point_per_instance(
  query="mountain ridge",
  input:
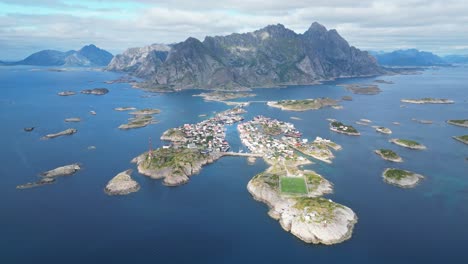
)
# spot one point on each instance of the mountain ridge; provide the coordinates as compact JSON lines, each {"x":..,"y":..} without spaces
{"x":89,"y":55}
{"x":271,"y":56}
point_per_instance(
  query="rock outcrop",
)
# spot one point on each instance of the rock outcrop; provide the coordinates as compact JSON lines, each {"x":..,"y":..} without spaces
{"x":122,"y":184}
{"x":66,"y":132}
{"x":62,"y":171}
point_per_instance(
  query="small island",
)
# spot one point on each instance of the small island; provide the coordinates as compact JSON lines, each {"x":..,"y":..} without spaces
{"x":66,"y":132}
{"x":73,"y":119}
{"x":28,"y":129}
{"x":389,"y":155}
{"x":366,"y":89}
{"x":138,"y":122}
{"x":221,"y":96}
{"x":411,"y":144}
{"x":384,"y":81}
{"x":124,"y":109}
{"x":463,"y":139}
{"x":41,"y":182}
{"x":347,"y":98}
{"x":146,"y":111}
{"x":66,"y":93}
{"x":303,"y":105}
{"x":383,"y":130}
{"x":96,"y":91}
{"x":422,"y":121}
{"x":401,"y":178}
{"x":343,"y":129}
{"x":458,"y":122}
{"x":427,"y":100}
{"x":122,"y":184}
{"x":62,"y":171}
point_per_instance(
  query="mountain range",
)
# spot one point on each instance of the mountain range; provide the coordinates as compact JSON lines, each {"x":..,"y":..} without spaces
{"x":409,"y":57}
{"x":89,"y":55}
{"x":270,"y":56}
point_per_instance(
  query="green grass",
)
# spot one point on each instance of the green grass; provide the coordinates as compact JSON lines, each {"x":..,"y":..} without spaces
{"x":389,"y":153}
{"x":461,"y":121}
{"x":397,"y":174}
{"x":464,"y":137}
{"x":350,"y":129}
{"x":293,"y":185}
{"x":408,"y":142}
{"x":321,"y":206}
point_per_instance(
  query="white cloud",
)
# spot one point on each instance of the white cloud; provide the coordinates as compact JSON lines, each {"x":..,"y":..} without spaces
{"x":434,"y":25}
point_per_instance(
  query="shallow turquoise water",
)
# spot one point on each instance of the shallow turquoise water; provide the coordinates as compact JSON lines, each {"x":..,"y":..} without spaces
{"x":213,"y":219}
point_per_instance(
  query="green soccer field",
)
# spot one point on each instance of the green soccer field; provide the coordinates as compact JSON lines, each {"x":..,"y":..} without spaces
{"x":293,"y":185}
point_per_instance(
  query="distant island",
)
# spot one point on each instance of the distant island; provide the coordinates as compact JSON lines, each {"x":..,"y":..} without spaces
{"x":401,"y":178}
{"x":344,"y":129}
{"x":459,"y":122}
{"x":368,"y":89}
{"x":409,"y":57}
{"x":87,"y":56}
{"x":463,"y":139}
{"x":273,"y":56}
{"x":303,"y":105}
{"x":383,"y":130}
{"x":427,"y":100}
{"x":389,"y":155}
{"x":141,"y":118}
{"x":411,"y":144}
{"x":221,"y":96}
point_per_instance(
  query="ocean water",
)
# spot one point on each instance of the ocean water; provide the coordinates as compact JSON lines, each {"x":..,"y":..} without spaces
{"x":213,"y":218}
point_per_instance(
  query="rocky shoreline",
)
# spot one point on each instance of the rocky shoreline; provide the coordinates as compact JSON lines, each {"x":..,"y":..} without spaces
{"x":427,"y":101}
{"x":303,"y":105}
{"x":122,"y":184}
{"x":383,"y":155}
{"x":405,"y":179}
{"x":67,"y":132}
{"x":402,"y":142}
{"x":312,"y":219}
{"x":174,"y":175}
{"x":460,"y":122}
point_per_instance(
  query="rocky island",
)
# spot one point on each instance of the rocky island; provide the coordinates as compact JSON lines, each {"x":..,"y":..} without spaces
{"x":73,"y":119}
{"x":62,"y":171}
{"x":122,"y":184}
{"x":293,"y":195}
{"x":124,"y":109}
{"x":41,"y":182}
{"x":303,"y":105}
{"x":459,"y":122}
{"x":427,"y":101}
{"x":138,"y":122}
{"x":339,"y":127}
{"x":146,"y":111}
{"x":389,"y":155}
{"x":66,"y":93}
{"x":96,"y":91}
{"x":66,"y":132}
{"x":463,"y":139}
{"x":221,"y":96}
{"x":192,"y":147}
{"x":411,"y":144}
{"x":401,"y":178}
{"x":383,"y":130}
{"x":422,"y":121}
{"x":367,"y":89}
{"x":347,"y":98}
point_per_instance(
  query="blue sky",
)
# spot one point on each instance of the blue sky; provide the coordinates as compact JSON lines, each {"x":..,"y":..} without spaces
{"x":29,"y":26}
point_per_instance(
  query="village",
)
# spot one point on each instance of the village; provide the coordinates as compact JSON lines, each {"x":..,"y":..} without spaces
{"x":277,"y":140}
{"x":206,"y":136}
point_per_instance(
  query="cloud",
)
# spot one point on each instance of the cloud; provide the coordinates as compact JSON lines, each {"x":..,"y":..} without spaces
{"x":432,"y":25}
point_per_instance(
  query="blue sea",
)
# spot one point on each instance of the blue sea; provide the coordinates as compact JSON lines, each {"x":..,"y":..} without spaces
{"x":213,"y":218}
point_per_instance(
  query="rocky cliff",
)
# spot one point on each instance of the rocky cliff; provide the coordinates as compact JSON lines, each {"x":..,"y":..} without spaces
{"x":270,"y":56}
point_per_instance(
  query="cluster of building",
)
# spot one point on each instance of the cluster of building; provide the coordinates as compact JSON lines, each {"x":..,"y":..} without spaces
{"x":257,"y":141}
{"x":210,"y":135}
{"x":282,"y":145}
